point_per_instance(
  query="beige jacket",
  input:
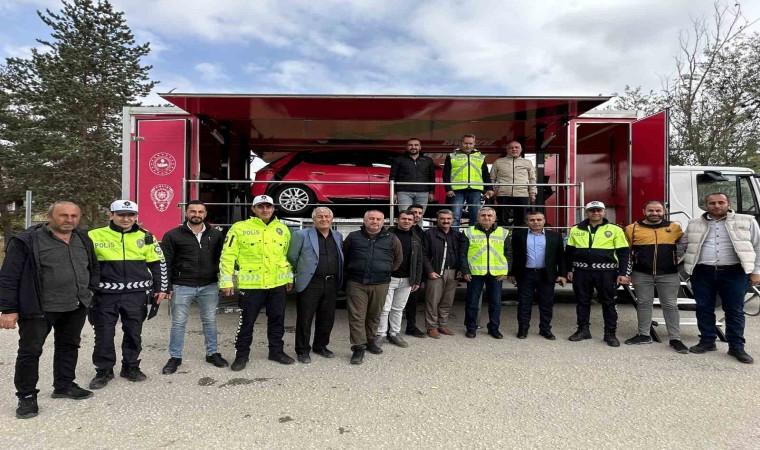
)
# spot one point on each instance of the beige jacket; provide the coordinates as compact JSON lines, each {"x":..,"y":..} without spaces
{"x":513,"y":170}
{"x":739,"y":227}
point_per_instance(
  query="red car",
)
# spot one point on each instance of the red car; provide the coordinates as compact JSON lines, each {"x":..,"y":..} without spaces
{"x":313,"y":168}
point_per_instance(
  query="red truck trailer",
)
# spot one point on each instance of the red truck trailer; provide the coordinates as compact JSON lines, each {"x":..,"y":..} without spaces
{"x":205,"y":145}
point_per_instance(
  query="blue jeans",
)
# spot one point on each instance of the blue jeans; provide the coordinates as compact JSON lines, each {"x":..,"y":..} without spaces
{"x":207,"y":298}
{"x":492,"y":296}
{"x":472,"y":199}
{"x":731,"y":284}
{"x":407,"y":199}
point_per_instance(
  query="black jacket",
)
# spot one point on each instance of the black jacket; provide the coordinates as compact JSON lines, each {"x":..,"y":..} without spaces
{"x":20,"y":289}
{"x":189,"y":263}
{"x":404,"y":169}
{"x":370,"y":260}
{"x":554,"y":257}
{"x":418,"y":255}
{"x":434,"y":242}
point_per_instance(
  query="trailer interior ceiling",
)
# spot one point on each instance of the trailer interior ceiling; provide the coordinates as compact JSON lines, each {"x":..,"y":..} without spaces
{"x":272,"y":124}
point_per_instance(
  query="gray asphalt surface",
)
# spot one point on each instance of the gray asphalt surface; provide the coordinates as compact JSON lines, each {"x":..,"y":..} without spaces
{"x":453,"y":392}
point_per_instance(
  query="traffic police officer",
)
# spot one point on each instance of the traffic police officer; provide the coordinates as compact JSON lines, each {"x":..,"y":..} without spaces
{"x":597,"y":257}
{"x":259,"y":247}
{"x":487,"y":266}
{"x":131,"y":267}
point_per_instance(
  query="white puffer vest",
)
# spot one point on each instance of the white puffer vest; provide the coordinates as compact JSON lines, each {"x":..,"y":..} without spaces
{"x":738,"y":227}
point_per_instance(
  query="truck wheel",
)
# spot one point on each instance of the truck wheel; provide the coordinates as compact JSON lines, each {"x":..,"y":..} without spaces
{"x":294,"y":200}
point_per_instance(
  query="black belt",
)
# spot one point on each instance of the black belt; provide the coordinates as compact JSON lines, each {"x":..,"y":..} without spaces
{"x":726,"y":267}
{"x":535,"y":269}
{"x":325,"y":277}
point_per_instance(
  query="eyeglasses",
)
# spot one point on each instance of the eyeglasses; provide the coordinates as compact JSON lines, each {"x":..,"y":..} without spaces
{"x":594,"y":210}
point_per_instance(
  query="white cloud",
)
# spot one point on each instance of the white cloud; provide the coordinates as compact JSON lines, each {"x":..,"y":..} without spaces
{"x":211,"y":72}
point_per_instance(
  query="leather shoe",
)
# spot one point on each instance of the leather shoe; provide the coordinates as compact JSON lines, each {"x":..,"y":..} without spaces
{"x":132,"y":373}
{"x":548,"y":335}
{"x":581,"y":334}
{"x":102,"y":377}
{"x":445,"y":331}
{"x":434,"y":333}
{"x":611,"y":339}
{"x":415,"y":332}
{"x":171,"y":366}
{"x":470,"y":334}
{"x":281,"y":358}
{"x":217,"y":360}
{"x":495,"y":334}
{"x":740,"y":355}
{"x":304,"y":358}
{"x":324,"y":352}
{"x":703,"y":347}
{"x":73,"y":392}
{"x":522,"y":333}
{"x":239,"y":363}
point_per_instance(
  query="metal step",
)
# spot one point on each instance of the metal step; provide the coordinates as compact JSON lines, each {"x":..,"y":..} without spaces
{"x":657,"y":321}
{"x":679,"y":301}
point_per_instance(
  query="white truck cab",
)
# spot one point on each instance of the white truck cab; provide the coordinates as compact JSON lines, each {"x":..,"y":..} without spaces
{"x":689,"y":185}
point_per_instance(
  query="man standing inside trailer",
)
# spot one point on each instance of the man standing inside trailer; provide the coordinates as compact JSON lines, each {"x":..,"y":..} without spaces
{"x":466,"y":179}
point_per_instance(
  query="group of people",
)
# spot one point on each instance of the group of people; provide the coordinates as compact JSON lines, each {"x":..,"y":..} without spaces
{"x":55,"y":276}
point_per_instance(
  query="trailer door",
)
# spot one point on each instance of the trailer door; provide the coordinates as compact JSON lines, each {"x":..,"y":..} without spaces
{"x":161,"y":146}
{"x":649,"y":162}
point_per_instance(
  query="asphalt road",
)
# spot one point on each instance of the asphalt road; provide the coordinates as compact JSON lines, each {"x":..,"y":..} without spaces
{"x":453,"y":392}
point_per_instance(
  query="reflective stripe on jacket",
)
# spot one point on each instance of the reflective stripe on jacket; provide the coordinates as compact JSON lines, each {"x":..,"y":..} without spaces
{"x":467,"y":168}
{"x":485,"y":252}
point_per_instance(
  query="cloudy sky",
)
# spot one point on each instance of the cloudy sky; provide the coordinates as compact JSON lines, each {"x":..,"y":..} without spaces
{"x":451,"y":47}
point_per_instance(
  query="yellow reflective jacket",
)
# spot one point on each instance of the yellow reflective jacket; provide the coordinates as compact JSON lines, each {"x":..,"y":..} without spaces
{"x":130,"y":261}
{"x":467,"y":168}
{"x":260,"y":251}
{"x":603,"y":247}
{"x":487,"y":252}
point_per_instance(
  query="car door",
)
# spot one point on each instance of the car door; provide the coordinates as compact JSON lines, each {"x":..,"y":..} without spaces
{"x":378,"y":164}
{"x":337,"y":166}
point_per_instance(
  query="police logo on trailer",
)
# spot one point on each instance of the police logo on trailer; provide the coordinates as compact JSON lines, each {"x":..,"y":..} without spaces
{"x":162,"y":164}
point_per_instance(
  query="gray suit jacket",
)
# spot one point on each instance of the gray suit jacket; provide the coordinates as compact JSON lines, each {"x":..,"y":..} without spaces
{"x":303,"y":255}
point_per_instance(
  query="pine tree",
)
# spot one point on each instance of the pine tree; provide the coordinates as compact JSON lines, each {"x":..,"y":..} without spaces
{"x":66,"y":102}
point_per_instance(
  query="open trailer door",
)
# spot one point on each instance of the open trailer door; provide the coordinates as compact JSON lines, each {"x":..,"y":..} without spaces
{"x":649,"y":175}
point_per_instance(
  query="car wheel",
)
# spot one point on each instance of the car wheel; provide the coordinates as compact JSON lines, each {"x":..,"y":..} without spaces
{"x":294,"y":200}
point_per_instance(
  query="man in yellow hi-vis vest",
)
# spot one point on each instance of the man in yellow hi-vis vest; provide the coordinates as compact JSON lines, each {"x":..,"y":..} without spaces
{"x":597,"y":258}
{"x":131,"y":267}
{"x":487,"y":266}
{"x":466,"y":180}
{"x":259,"y":247}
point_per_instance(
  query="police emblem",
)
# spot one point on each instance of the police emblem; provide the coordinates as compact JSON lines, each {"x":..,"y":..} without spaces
{"x":140,"y":243}
{"x":279,"y":231}
{"x":157,"y":249}
{"x":608,"y":233}
{"x":162,"y":164}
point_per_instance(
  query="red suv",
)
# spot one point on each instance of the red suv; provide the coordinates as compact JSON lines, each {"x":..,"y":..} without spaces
{"x":357,"y":167}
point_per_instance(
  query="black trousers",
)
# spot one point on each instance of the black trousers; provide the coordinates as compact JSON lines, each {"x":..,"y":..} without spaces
{"x":251,"y":301}
{"x":584,"y":284}
{"x":32,"y":333}
{"x":410,"y":310}
{"x":318,"y":299}
{"x":131,"y":307}
{"x":533,"y":284}
{"x":518,"y":212}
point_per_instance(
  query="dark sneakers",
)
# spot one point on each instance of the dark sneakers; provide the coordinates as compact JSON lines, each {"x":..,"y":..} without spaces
{"x":27,"y":407}
{"x":703,"y":347}
{"x":522,"y":333}
{"x":678,"y":346}
{"x":132,"y":373}
{"x":102,"y":377}
{"x":171,"y":366}
{"x":324,"y":352}
{"x":740,"y":355}
{"x":611,"y":339}
{"x":239,"y":363}
{"x":639,"y":339}
{"x":470,"y":334}
{"x":373,"y":348}
{"x":281,"y":358}
{"x":358,"y":356}
{"x":73,"y":392}
{"x":581,"y":334}
{"x":304,"y":358}
{"x":217,"y":360}
{"x":496,"y":334}
{"x":547,"y":334}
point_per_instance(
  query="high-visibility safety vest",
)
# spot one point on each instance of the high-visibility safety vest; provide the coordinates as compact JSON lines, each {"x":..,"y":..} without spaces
{"x":485,"y":254}
{"x":130,"y":261}
{"x":467,"y":168}
{"x":260,"y":251}
{"x":596,"y":251}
